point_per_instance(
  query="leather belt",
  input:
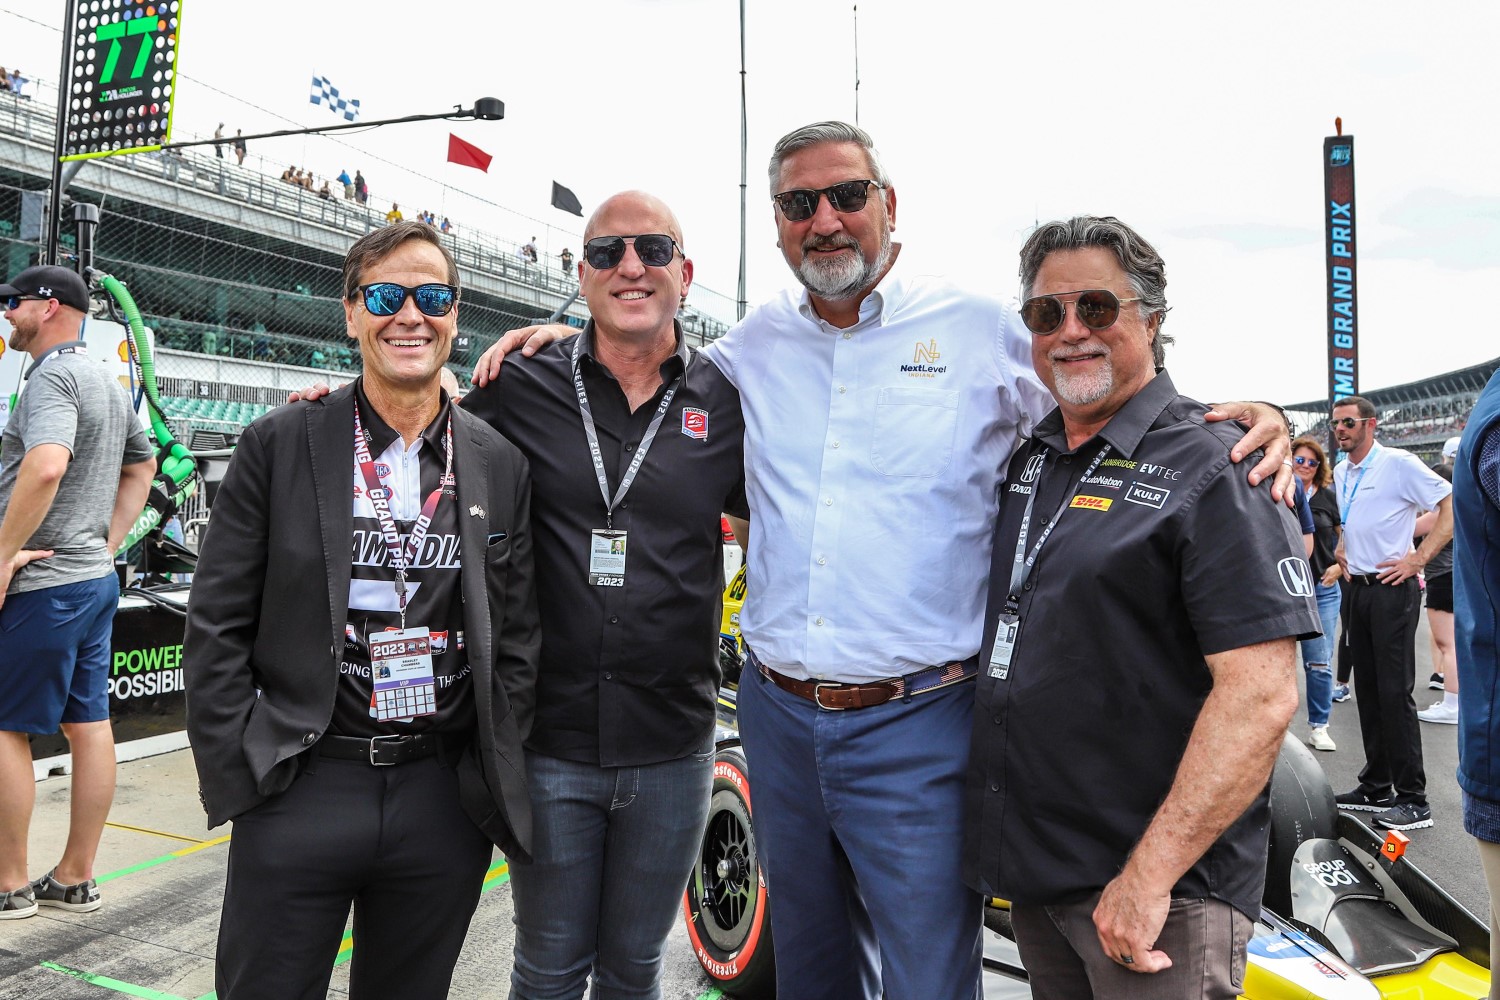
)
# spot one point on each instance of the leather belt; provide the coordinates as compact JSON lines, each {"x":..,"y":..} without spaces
{"x":385,"y":751}
{"x":841,"y":697}
{"x":1368,"y":579}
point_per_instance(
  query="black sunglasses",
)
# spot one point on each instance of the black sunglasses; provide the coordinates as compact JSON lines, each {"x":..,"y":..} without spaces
{"x":14,"y":301}
{"x":798,"y":205}
{"x":654,"y":250}
{"x":385,"y":298}
{"x":1349,"y":423}
{"x":1097,"y":309}
{"x":1304,"y":460}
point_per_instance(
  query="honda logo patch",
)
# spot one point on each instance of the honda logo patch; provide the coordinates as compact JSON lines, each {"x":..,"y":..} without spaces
{"x":695,"y":423}
{"x":1296,"y":576}
{"x":1033,"y":469}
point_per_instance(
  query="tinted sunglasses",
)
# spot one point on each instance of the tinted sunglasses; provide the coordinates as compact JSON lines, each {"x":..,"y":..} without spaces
{"x":1097,"y":309}
{"x":799,"y":205}
{"x":654,"y":250}
{"x":385,"y":298}
{"x":1304,"y":460}
{"x":1349,"y":423}
{"x":14,"y":301}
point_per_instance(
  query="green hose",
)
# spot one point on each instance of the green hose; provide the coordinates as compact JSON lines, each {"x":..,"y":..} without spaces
{"x":177,"y":471}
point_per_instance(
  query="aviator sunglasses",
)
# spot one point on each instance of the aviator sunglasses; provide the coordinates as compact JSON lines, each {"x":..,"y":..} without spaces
{"x":654,"y":250}
{"x":14,"y":301}
{"x":385,"y":298}
{"x":798,"y":205}
{"x":1304,"y":460}
{"x":1097,"y":309}
{"x":1349,"y":423}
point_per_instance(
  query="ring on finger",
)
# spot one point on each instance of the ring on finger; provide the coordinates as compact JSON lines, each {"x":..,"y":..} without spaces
{"x":1127,"y":960}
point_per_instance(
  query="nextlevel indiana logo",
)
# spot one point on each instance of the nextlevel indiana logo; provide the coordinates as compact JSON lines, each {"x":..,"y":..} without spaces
{"x":922,"y":358}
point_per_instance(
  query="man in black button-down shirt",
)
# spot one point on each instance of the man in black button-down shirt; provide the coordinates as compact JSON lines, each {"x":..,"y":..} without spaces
{"x":1146,"y":600}
{"x":620,"y":755}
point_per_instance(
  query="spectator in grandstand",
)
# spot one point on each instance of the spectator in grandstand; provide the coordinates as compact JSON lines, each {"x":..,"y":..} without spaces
{"x":1381,"y":492}
{"x":288,"y":175}
{"x":290,"y":734}
{"x":307,"y":179}
{"x":74,"y":476}
{"x":446,"y":227}
{"x":394,"y":215}
{"x":239,"y":148}
{"x":17,"y":83}
{"x":869,"y":835}
{"x":361,"y":189}
{"x":1476,"y":519}
{"x":1311,"y":468}
{"x":528,"y":251}
{"x":567,"y":262}
{"x":1439,"y":579}
{"x":218,"y":144}
{"x":348,"y":183}
{"x":325,"y":192}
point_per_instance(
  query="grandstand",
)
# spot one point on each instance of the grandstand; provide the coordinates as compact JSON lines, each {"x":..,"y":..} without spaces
{"x":1418,"y":416}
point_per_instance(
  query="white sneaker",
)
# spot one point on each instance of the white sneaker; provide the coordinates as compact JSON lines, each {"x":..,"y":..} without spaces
{"x":1442,"y":713}
{"x":1319,"y":739}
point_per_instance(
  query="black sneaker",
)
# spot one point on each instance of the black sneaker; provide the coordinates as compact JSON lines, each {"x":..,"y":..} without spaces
{"x":1435,"y":682}
{"x":1362,"y":801}
{"x":80,"y":898}
{"x":17,"y":903}
{"x":1406,"y":816}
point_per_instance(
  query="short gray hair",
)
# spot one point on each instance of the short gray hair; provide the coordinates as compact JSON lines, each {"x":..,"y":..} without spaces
{"x":819,"y":133}
{"x":1138,"y":259}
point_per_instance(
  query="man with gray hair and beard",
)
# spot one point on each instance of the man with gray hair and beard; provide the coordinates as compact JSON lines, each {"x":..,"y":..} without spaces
{"x":879,"y":405}
{"x":1117,"y":787}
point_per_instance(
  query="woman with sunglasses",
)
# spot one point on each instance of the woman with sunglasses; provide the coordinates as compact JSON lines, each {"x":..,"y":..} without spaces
{"x":1310,"y":465}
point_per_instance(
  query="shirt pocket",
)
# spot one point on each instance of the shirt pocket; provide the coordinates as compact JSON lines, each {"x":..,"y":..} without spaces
{"x":914,"y":431}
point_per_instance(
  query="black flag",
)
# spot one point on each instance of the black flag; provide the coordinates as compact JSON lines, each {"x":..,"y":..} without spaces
{"x":566,"y":200}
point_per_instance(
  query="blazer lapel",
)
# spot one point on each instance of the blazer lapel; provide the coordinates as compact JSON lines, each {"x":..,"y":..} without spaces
{"x":330,"y":442}
{"x":471,"y":470}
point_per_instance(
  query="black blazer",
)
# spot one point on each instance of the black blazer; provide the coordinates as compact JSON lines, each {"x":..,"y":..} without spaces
{"x":270,"y":600}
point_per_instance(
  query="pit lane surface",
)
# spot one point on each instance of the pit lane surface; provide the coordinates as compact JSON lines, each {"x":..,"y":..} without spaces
{"x":162,"y":877}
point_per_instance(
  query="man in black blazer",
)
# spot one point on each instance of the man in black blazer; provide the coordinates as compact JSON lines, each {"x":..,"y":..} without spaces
{"x":360,"y":656}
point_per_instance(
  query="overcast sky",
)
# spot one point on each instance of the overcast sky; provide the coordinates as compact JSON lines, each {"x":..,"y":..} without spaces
{"x":1201,"y":125}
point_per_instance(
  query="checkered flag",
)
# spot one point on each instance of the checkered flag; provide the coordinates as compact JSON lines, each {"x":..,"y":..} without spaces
{"x":324,"y":92}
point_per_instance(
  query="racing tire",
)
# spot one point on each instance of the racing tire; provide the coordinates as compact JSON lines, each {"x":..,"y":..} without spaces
{"x":725,"y":907}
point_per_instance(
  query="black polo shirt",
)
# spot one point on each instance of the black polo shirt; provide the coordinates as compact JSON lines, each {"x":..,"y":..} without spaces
{"x":1165,"y":555}
{"x":434,"y":591}
{"x":628,"y":675}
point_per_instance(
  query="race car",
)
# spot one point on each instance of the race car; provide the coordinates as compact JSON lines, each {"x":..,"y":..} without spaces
{"x":1345,"y":914}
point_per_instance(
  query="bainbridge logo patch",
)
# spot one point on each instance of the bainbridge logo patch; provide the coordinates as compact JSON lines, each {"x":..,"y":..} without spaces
{"x":1091,"y":503}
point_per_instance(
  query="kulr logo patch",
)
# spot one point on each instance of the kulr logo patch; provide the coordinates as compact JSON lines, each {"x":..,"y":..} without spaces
{"x":1091,"y":503}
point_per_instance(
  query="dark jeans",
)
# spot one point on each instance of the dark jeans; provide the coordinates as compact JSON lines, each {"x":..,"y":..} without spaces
{"x":393,"y":841}
{"x":1382,"y":646}
{"x":1204,"y":938}
{"x":613,"y":849}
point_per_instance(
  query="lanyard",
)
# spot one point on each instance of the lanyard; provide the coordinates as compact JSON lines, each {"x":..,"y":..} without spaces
{"x":1021,"y":568}
{"x":78,"y":348}
{"x":380,"y":499}
{"x":1348,"y":495}
{"x":593,"y":436}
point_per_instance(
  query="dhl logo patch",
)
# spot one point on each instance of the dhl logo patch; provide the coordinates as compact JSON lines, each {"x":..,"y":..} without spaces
{"x":1091,"y":503}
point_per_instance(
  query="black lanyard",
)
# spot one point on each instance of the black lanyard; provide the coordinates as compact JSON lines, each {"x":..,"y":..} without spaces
{"x":593,"y":436}
{"x":1021,"y":567}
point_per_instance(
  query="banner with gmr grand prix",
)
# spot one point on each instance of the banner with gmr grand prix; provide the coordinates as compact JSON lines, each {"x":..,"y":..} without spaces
{"x":1338,"y":213}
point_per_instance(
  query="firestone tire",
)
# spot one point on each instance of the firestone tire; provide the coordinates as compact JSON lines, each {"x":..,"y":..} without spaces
{"x":725,"y":907}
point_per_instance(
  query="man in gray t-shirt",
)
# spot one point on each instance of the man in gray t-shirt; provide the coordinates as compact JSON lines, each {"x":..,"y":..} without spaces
{"x":75,"y":469}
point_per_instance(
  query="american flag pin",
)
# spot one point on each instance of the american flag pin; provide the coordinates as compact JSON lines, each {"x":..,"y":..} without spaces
{"x":476,"y":511}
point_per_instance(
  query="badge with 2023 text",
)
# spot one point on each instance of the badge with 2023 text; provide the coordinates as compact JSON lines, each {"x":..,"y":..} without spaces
{"x":606,"y":558}
{"x":401,"y":664}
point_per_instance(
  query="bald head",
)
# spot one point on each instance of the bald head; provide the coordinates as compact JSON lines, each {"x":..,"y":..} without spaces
{"x":632,"y":203}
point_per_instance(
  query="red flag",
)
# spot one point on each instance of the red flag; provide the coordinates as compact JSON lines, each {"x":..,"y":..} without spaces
{"x":467,"y":154}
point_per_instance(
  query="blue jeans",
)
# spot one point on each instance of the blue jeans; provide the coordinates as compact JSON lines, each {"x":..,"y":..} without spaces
{"x":613,"y":849}
{"x":1317,"y":657}
{"x":859,"y":815}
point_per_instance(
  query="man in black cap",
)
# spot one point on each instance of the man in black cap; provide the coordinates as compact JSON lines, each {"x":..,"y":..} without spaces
{"x":74,"y":473}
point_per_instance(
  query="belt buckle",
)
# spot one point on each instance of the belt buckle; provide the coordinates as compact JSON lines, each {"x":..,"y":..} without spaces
{"x":374,"y":749}
{"x":818,"y":696}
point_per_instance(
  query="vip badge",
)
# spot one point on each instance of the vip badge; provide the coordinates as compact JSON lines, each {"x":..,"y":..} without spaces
{"x":695,"y":423}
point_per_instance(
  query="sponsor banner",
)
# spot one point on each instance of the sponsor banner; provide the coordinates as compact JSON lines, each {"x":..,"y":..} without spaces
{"x":1339,"y":266}
{"x":1091,"y":503}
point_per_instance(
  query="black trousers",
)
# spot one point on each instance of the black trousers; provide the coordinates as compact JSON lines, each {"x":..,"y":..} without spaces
{"x":393,"y":842}
{"x":1382,"y":644}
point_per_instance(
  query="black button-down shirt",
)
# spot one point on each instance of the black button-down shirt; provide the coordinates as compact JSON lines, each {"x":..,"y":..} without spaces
{"x":628,"y":675}
{"x":1166,"y":554}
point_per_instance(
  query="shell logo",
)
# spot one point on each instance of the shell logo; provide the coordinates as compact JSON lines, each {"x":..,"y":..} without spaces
{"x":2,"y":347}
{"x":124,"y":351}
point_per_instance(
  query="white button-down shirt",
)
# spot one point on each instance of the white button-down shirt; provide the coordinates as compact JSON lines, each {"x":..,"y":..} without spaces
{"x":1379,"y":500}
{"x":872,"y":459}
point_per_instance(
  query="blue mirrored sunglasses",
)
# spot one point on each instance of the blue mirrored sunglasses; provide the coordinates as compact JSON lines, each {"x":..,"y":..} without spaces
{"x":385,"y":298}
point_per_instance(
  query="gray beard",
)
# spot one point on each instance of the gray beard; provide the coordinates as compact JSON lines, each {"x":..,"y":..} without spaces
{"x":1083,"y":390}
{"x":844,"y":277}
